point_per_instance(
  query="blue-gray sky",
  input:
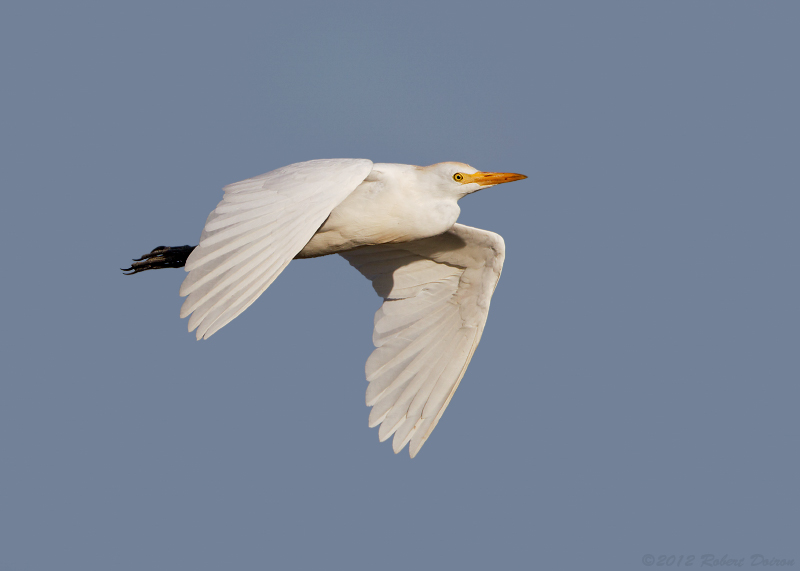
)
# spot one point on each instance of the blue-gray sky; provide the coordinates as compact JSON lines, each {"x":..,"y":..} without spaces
{"x":636,"y":389}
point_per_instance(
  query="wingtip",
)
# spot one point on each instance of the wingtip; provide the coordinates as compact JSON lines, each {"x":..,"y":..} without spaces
{"x":414,"y":448}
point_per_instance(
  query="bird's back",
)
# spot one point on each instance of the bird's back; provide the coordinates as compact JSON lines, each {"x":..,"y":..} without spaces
{"x":393,"y":204}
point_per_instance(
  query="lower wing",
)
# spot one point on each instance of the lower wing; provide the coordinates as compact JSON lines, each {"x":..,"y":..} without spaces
{"x":436,"y":295}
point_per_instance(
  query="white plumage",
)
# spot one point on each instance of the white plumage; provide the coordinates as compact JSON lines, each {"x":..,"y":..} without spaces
{"x":396,"y":224}
{"x":260,"y":225}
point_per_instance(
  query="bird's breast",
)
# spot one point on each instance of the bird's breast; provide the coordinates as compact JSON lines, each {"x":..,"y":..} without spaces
{"x":377,"y":214}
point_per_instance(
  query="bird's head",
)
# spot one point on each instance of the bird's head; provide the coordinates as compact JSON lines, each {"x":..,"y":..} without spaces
{"x":463,"y":179}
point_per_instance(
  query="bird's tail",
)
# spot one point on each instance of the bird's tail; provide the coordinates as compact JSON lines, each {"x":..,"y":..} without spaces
{"x":161,"y":257}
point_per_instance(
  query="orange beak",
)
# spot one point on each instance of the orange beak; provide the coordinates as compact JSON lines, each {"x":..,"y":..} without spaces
{"x":489,"y":178}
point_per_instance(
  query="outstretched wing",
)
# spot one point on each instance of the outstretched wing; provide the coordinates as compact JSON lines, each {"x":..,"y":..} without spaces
{"x":253,"y":234}
{"x":436,"y":295}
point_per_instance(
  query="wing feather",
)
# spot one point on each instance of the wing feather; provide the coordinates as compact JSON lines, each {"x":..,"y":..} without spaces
{"x":255,"y":231}
{"x":411,"y":366}
{"x":425,"y":375}
{"x":436,"y":295}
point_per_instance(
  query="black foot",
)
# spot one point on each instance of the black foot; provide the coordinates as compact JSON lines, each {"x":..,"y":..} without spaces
{"x":161,"y":257}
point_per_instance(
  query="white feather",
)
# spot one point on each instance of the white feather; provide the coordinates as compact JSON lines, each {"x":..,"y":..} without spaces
{"x":436,"y":299}
{"x":260,"y":225}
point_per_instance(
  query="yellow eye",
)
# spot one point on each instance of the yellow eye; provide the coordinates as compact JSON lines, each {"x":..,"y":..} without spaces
{"x":458,"y":177}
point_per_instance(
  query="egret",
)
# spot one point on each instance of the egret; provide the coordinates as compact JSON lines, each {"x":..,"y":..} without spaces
{"x":394,"y":223}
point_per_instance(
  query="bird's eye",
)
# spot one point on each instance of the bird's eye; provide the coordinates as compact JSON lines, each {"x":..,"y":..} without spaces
{"x":458,"y":177}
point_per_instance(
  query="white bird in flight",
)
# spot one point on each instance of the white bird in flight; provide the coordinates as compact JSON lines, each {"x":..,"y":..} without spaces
{"x":394,"y":223}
